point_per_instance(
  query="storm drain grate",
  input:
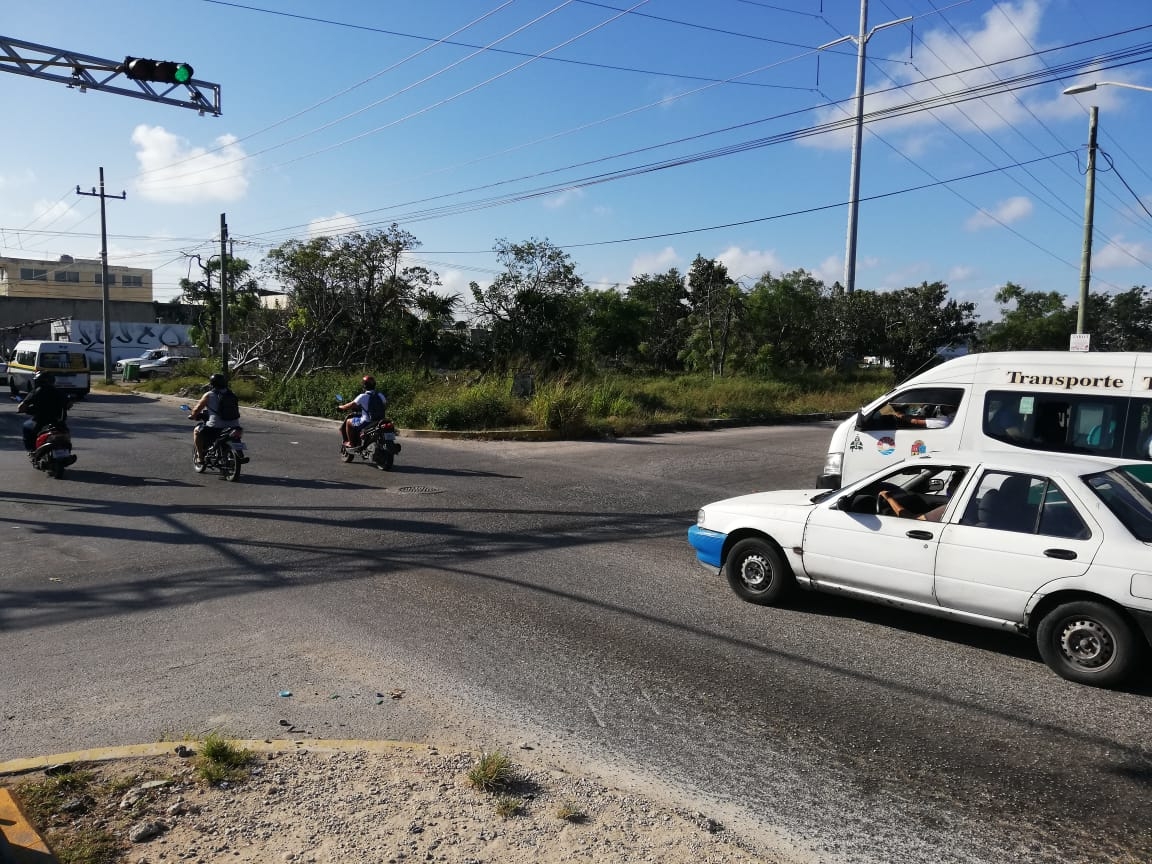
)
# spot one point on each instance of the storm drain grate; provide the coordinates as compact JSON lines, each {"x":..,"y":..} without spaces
{"x":418,"y":490}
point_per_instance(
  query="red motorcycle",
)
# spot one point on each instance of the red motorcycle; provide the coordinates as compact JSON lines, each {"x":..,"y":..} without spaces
{"x":53,"y":451}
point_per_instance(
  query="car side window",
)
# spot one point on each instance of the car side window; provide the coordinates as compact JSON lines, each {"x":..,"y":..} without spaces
{"x":1025,"y":504}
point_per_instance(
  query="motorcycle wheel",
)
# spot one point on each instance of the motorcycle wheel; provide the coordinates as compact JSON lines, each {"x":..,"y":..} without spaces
{"x":201,"y":467}
{"x":229,"y":463}
{"x":347,"y":454}
{"x":56,"y":470}
{"x":389,"y":457}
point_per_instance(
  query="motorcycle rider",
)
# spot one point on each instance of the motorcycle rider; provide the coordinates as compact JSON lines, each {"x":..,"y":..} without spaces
{"x":220,"y":407}
{"x":372,"y":404}
{"x":45,"y":403}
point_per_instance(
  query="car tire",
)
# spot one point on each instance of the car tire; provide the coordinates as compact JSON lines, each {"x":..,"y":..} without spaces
{"x":757,"y":572}
{"x":1089,"y":643}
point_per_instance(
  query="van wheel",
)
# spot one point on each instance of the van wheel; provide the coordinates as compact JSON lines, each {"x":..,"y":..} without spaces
{"x":757,"y":572}
{"x":1089,"y":643}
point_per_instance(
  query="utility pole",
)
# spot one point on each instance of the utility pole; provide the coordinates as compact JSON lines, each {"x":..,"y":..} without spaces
{"x":1089,"y":209}
{"x":858,"y":134}
{"x":104,"y":273}
{"x":225,"y":340}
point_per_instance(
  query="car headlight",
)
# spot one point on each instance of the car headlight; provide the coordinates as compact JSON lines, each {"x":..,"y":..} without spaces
{"x":700,"y":517}
{"x":833,"y":463}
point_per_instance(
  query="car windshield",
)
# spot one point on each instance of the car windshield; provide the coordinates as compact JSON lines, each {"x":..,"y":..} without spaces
{"x":1127,"y":492}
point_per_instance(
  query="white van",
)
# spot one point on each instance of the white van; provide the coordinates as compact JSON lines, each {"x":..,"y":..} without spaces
{"x":67,"y":362}
{"x":1071,"y":402}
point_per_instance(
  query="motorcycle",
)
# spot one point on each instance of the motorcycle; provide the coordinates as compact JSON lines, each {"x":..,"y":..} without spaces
{"x":377,"y":445}
{"x":53,"y":452}
{"x":226,"y":454}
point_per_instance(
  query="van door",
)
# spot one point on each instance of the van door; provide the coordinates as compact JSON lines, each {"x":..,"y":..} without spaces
{"x":911,"y":423}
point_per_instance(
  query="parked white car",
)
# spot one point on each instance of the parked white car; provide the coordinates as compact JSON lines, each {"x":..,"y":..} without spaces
{"x":1053,"y":546}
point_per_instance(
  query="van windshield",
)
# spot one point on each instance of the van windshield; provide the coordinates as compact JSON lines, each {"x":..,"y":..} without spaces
{"x":1127,"y":492}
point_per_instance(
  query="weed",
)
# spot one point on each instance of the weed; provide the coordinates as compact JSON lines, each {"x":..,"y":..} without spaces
{"x":491,"y":773}
{"x":43,"y":800}
{"x":220,"y":760}
{"x":508,"y":806}
{"x":569,"y":812}
{"x":90,"y":844}
{"x":43,"y":803}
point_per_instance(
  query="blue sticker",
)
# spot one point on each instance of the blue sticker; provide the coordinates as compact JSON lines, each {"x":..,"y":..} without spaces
{"x":919,"y":448}
{"x":886,"y":446}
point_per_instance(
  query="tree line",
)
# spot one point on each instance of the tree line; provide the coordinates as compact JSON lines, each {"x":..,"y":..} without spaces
{"x":352,"y":302}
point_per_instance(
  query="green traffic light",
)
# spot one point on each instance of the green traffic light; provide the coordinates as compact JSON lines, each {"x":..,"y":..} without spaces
{"x":183,"y":73}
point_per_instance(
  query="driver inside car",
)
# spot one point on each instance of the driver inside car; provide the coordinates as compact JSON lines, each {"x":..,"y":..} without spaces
{"x":902,"y":509}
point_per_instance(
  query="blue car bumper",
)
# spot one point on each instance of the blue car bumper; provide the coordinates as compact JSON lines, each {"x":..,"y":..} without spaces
{"x":709,"y":545}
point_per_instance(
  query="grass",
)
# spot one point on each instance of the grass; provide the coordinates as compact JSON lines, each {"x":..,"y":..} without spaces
{"x":219,"y":760}
{"x":508,"y":806}
{"x":569,"y":812}
{"x":573,"y":406}
{"x":492,"y":773}
{"x":44,"y":804}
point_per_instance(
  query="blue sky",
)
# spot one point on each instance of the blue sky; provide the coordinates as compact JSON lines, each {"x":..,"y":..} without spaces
{"x":627,"y":132}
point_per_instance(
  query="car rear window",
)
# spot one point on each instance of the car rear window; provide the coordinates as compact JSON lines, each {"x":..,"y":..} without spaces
{"x":1127,"y":492}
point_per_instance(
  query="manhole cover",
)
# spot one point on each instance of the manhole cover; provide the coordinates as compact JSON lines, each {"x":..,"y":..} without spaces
{"x":418,"y":490}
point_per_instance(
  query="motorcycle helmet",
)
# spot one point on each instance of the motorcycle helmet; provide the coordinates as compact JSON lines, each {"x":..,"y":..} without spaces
{"x":45,"y":379}
{"x":218,"y":381}
{"x":369,"y":383}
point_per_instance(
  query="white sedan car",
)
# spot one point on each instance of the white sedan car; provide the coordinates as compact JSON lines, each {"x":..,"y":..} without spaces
{"x":1050,"y":545}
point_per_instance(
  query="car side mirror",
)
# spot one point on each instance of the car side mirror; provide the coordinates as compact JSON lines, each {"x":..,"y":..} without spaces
{"x":844,"y":502}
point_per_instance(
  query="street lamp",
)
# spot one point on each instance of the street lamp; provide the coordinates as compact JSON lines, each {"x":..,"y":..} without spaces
{"x":1084,"y":88}
{"x":1090,"y":192}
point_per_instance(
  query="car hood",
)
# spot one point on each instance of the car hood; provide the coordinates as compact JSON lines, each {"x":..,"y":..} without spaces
{"x":792,"y":502}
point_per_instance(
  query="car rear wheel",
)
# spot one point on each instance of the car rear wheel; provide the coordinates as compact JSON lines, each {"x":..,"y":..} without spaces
{"x":757,"y":572}
{"x":1089,"y":643}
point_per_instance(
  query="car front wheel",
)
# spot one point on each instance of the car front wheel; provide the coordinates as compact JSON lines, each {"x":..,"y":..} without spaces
{"x":757,"y":572}
{"x":1089,"y":643}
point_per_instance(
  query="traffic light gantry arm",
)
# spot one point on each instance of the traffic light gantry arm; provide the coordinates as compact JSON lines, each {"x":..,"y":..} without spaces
{"x":154,"y":80}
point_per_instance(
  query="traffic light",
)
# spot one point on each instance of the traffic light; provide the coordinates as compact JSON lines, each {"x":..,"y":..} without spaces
{"x":162,"y":71}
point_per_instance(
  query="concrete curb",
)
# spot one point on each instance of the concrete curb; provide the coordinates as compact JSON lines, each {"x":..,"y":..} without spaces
{"x":163,"y":748}
{"x":20,"y":843}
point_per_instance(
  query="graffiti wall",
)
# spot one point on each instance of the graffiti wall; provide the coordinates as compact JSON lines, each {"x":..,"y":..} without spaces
{"x":128,"y":339}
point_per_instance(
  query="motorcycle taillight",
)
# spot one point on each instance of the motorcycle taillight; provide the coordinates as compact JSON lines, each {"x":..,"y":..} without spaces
{"x":388,"y":426}
{"x":236,"y":433}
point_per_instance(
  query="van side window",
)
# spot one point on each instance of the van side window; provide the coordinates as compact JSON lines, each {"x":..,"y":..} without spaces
{"x":1069,"y":423}
{"x":920,"y":403}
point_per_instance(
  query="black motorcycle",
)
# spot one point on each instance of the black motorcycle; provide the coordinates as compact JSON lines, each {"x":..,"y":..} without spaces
{"x":226,"y":454}
{"x":377,"y":444}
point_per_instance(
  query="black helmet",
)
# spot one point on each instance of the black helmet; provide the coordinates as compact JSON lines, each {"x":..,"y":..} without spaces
{"x":218,"y":381}
{"x":43,"y":379}
{"x":369,"y":383}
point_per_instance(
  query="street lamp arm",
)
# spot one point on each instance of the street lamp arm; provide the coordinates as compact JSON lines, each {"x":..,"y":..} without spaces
{"x":1084,"y":88}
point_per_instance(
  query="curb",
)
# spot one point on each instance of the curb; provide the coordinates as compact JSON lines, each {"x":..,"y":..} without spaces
{"x":21,"y":843}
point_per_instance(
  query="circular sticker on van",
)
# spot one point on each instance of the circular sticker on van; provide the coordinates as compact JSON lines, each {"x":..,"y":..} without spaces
{"x":886,"y":446}
{"x":919,"y":448}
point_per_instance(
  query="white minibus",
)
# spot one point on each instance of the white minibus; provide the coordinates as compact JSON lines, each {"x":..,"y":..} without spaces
{"x":67,"y":361}
{"x":1065,"y":401}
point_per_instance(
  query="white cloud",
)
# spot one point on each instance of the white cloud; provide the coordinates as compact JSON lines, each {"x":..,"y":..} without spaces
{"x":1005,"y":213}
{"x":456,"y":282}
{"x":328,"y":226}
{"x":1120,"y":254}
{"x":656,"y":262}
{"x":960,"y":273}
{"x":750,"y":263}
{"x":1006,"y":31}
{"x":830,"y":270}
{"x":563,"y":199}
{"x":174,"y":171}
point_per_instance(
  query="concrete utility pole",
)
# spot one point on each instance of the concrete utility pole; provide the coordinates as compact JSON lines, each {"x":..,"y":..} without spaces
{"x":225,"y":340}
{"x":857,"y":136}
{"x":1089,"y":210}
{"x":104,"y":273}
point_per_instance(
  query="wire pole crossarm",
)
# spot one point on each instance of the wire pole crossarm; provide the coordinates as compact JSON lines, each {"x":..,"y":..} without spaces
{"x":87,"y":72}
{"x":858,"y":134}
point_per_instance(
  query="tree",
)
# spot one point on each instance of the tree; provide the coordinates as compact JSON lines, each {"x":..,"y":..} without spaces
{"x":349,"y":300}
{"x":612,"y":328}
{"x":1039,"y":322}
{"x":204,"y":294}
{"x":531,"y":309}
{"x":784,"y":316}
{"x":435,"y":335}
{"x":919,"y":322}
{"x":716,"y":304}
{"x":663,"y":299}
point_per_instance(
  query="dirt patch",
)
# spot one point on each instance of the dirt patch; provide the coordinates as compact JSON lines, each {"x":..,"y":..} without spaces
{"x":401,"y":805}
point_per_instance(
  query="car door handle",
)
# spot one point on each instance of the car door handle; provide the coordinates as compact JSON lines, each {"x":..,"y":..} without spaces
{"x":1066,"y":554}
{"x":920,"y":535}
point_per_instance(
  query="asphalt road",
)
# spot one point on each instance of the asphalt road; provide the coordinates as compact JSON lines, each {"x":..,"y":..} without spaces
{"x":539,"y":592}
